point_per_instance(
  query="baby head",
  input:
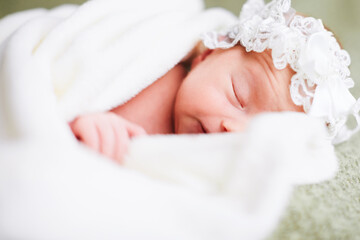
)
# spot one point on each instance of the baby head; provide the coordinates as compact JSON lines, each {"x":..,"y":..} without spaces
{"x":272,"y":60}
{"x":226,"y":88}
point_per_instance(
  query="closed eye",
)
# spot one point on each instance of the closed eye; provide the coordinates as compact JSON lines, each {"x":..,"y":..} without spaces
{"x":238,"y":98}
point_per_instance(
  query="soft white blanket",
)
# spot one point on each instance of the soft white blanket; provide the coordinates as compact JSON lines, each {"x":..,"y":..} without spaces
{"x":227,"y":186}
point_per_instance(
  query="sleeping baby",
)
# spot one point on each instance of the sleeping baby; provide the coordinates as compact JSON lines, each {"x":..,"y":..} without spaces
{"x":273,"y":60}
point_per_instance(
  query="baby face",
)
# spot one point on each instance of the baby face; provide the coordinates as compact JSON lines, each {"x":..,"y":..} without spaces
{"x":226,"y":88}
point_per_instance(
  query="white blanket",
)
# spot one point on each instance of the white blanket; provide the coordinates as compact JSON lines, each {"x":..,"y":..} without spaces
{"x":227,"y":186}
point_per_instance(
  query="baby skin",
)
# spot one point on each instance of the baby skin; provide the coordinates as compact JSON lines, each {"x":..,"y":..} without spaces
{"x":222,"y":92}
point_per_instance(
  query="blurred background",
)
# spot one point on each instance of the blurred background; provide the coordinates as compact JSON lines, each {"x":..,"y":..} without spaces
{"x":341,"y":16}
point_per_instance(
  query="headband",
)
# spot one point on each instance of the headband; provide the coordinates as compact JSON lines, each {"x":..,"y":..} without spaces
{"x":321,"y":82}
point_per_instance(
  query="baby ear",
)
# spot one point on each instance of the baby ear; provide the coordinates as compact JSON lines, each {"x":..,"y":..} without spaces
{"x":201,"y":58}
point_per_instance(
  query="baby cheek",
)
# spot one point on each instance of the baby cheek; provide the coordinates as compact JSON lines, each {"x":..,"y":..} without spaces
{"x":188,"y":98}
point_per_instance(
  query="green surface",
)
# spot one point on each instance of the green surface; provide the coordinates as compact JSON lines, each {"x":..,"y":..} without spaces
{"x":330,"y":210}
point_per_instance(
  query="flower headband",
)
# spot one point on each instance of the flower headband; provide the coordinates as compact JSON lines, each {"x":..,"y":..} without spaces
{"x":321,"y":82}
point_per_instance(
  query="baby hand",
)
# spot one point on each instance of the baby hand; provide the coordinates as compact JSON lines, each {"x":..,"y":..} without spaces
{"x":107,"y":133}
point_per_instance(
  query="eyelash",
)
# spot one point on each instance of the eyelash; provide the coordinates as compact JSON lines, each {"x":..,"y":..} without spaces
{"x":236,"y":96}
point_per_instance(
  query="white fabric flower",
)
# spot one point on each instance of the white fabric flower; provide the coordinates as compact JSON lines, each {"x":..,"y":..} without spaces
{"x":316,"y":57}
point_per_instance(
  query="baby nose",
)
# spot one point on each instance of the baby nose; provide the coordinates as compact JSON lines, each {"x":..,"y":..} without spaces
{"x":234,"y":125}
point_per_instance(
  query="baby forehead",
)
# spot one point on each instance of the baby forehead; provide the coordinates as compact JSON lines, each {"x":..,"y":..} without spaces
{"x":253,"y":70}
{"x":259,"y":68}
{"x":238,"y":57}
{"x":260,"y":82}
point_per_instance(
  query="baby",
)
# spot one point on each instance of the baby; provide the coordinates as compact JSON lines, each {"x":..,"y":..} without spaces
{"x":224,"y":89}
